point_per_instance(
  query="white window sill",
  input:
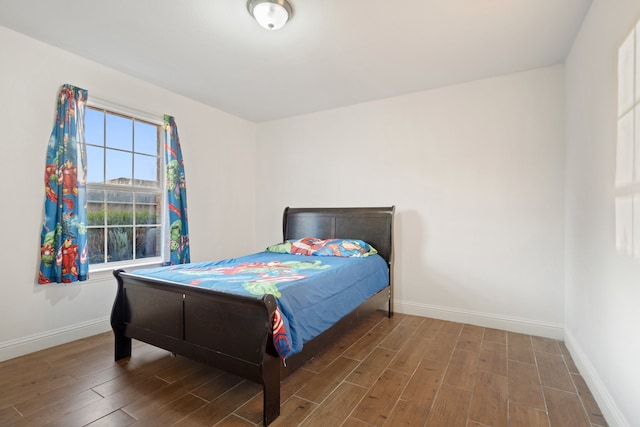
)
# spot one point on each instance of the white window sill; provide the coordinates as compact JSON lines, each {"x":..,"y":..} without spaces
{"x":104,"y":271}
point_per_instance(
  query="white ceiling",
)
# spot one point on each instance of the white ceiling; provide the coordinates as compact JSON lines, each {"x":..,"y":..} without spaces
{"x":332,"y":53}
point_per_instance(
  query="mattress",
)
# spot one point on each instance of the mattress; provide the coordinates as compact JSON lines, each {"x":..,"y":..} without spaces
{"x":312,"y":292}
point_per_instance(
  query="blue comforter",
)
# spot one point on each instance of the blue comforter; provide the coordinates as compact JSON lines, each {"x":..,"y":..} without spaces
{"x":312,"y":292}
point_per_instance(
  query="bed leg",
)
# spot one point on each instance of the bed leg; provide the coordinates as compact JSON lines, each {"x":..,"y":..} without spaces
{"x":270,"y":389}
{"x":122,"y":343}
{"x":122,"y":347}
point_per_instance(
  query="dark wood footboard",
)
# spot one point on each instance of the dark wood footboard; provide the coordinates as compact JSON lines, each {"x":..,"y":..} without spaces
{"x":230,"y":332}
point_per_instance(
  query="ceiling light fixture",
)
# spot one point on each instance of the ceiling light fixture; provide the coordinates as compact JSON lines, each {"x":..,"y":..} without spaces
{"x":270,"y":14}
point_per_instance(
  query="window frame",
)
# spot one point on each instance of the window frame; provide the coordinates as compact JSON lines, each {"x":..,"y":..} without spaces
{"x":153,"y":119}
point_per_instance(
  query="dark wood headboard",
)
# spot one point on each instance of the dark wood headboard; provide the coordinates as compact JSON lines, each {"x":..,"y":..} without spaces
{"x":373,"y":225}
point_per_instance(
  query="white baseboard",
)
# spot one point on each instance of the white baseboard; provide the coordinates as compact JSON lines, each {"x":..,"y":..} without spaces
{"x":513,"y":324}
{"x":600,"y":393}
{"x":36,"y":342}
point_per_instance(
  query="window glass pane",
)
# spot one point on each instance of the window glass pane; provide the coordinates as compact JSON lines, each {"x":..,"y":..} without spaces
{"x":95,"y":165}
{"x":636,"y":149}
{"x":94,"y":127}
{"x":95,"y":195}
{"x":637,"y":82}
{"x":146,"y":170}
{"x":148,"y":208}
{"x":95,"y":207}
{"x":95,"y":213}
{"x":95,"y":239}
{"x":119,"y":132}
{"x":119,"y":208}
{"x":626,"y":90}
{"x":635,"y":225}
{"x":624,"y":151}
{"x":624,"y":221}
{"x":120,"y":244}
{"x":119,"y":167}
{"x":146,"y":138}
{"x":147,"y":242}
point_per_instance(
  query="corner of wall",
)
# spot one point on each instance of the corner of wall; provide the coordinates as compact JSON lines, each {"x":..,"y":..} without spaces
{"x":605,"y":401}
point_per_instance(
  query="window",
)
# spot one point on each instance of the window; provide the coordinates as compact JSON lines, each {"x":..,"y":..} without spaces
{"x":124,"y":187}
{"x":627,"y":180}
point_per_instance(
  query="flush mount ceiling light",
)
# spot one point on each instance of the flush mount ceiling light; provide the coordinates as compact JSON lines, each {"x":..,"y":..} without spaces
{"x":270,"y":14}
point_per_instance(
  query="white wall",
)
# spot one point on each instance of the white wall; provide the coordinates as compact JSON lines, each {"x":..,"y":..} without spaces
{"x":219,"y":153}
{"x":475,"y":171}
{"x":602,"y":286}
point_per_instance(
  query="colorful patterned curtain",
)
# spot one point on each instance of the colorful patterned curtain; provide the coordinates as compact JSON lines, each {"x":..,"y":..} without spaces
{"x":63,"y":243}
{"x":176,"y":196}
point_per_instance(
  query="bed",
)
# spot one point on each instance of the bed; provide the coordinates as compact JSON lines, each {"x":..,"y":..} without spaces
{"x":195,"y":322}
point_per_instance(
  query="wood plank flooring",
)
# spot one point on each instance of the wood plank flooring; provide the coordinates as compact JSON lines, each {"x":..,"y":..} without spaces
{"x":404,"y":371}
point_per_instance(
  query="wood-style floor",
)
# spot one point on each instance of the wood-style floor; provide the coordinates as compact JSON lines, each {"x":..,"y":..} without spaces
{"x":404,"y":371}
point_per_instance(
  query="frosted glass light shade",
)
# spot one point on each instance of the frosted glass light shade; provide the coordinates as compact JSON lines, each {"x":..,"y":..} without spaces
{"x":270,"y":14}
